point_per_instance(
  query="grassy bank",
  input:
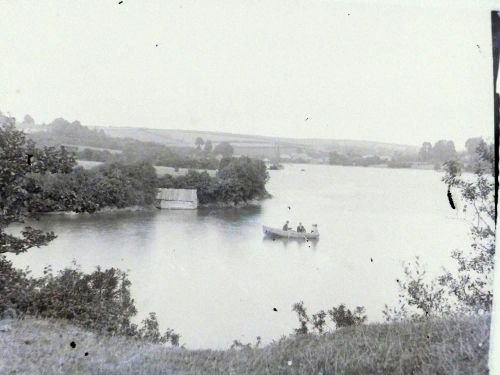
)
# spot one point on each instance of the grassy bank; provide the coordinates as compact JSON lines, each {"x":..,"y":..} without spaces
{"x":457,"y":346}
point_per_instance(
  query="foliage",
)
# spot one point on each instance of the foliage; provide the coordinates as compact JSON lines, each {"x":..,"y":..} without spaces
{"x":224,"y":148}
{"x":442,"y":151}
{"x":242,"y":179}
{"x":19,"y":192}
{"x":199,"y":142}
{"x":353,"y":159}
{"x":110,"y":185}
{"x":469,"y":289}
{"x":104,"y":148}
{"x":98,"y":301}
{"x":208,"y":146}
{"x":418,"y":296}
{"x":206,"y":186}
{"x":35,"y":180}
{"x":238,"y":180}
{"x":150,"y":331}
{"x":341,"y":316}
{"x":473,"y":285}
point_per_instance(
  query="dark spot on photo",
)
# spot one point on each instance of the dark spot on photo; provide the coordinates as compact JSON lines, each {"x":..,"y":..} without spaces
{"x":450,"y":198}
{"x":371,"y":260}
{"x":72,"y":344}
{"x":86,"y":354}
{"x":275,"y":309}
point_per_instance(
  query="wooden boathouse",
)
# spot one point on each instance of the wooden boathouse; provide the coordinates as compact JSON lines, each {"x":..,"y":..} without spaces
{"x":177,"y":199}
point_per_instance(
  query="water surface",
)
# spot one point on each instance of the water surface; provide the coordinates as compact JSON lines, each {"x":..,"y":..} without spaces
{"x":211,"y":275}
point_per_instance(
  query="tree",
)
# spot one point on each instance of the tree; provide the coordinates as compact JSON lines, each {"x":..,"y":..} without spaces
{"x":19,"y":191}
{"x":338,"y":159}
{"x":28,"y":121}
{"x":425,"y":152}
{"x":243,"y":179}
{"x":443,"y":151}
{"x":208,"y":147}
{"x":472,"y":144}
{"x":224,"y":148}
{"x":472,"y":287}
{"x":304,"y":319}
{"x":150,"y":331}
{"x":199,"y":142}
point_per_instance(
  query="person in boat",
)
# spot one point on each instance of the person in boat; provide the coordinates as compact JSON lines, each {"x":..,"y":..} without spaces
{"x":300,"y":228}
{"x":286,"y":227}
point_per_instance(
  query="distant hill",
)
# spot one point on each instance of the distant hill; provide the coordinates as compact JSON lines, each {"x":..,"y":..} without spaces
{"x":61,"y":131}
{"x":256,"y":145}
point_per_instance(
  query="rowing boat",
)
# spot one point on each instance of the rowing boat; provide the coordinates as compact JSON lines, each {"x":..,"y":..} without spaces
{"x":275,"y":232}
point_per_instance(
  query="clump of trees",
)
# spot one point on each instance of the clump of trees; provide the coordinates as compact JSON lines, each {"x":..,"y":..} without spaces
{"x":442,"y":151}
{"x":114,"y":185}
{"x":469,"y":289}
{"x":99,"y":300}
{"x":20,"y":191}
{"x":238,"y":180}
{"x":341,"y":316}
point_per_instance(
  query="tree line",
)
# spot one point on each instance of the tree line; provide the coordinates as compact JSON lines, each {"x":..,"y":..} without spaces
{"x":437,"y":154}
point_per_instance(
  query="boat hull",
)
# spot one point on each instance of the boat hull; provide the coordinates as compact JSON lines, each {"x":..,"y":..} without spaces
{"x":275,"y":232}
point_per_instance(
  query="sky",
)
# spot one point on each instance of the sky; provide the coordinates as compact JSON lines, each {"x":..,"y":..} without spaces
{"x":402,"y":72}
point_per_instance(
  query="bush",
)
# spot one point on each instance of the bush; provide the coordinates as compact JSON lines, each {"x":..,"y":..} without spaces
{"x":98,"y":301}
{"x":340,"y":316}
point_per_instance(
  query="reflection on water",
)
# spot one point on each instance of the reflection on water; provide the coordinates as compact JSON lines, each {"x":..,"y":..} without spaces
{"x":212,"y":275}
{"x":311,"y":244}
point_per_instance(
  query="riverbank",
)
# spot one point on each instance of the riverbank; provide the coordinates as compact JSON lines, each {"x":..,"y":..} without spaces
{"x":451,"y":346}
{"x":114,"y":210}
{"x":104,"y":210}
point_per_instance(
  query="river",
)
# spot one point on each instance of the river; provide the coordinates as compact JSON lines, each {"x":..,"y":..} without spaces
{"x":212,"y":276}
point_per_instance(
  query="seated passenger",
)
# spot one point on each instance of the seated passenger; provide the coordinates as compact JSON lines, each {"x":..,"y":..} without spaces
{"x":285,"y":227}
{"x":301,"y":228}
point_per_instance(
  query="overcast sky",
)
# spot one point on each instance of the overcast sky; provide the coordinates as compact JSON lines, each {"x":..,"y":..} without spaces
{"x":374,"y":70}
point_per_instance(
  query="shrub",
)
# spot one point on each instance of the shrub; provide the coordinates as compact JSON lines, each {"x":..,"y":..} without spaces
{"x":98,"y":301}
{"x":341,"y":316}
